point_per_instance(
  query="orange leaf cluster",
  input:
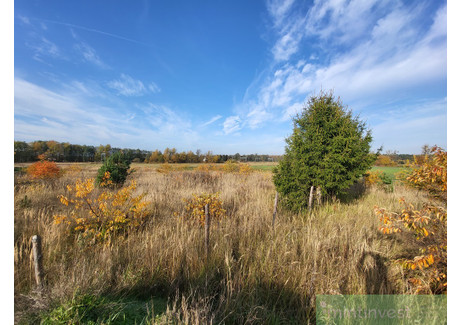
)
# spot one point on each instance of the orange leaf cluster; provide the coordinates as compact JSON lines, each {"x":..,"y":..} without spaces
{"x":44,"y":170}
{"x":429,"y":225}
{"x":431,"y":175}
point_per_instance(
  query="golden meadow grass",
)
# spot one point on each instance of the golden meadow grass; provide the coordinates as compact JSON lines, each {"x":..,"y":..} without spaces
{"x":254,"y":274}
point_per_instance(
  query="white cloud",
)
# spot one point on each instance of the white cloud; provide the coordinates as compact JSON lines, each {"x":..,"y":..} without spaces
{"x":153,"y":87}
{"x":369,"y":52}
{"x":257,"y":116}
{"x":278,"y":9}
{"x":212,"y":120}
{"x":232,"y":124}
{"x":344,"y":21}
{"x":128,"y":86}
{"x":25,"y":20}
{"x":43,"y":47}
{"x":89,"y":54}
{"x":292,"y":111}
{"x":42,"y":113}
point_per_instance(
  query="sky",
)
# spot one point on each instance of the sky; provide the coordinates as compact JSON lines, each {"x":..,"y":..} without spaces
{"x":226,"y":76}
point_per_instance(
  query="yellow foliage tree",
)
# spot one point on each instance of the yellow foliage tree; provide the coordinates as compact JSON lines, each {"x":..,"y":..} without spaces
{"x":101,"y":213}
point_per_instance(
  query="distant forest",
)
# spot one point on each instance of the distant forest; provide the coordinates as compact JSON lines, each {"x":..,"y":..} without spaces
{"x":66,"y":152}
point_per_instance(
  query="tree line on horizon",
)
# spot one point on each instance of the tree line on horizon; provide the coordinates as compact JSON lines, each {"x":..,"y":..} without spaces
{"x":67,"y":152}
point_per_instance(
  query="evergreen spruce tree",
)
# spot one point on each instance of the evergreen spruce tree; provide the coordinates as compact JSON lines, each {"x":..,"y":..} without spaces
{"x":328,"y":149}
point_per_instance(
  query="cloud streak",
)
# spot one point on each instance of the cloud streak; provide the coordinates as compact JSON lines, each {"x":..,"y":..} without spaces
{"x":128,"y":86}
{"x":92,"y":30}
{"x":89,"y":54}
{"x":212,"y":120}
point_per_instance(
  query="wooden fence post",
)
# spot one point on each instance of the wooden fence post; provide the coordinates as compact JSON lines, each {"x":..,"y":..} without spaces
{"x":310,"y":200}
{"x":207,"y":225}
{"x":38,"y":263}
{"x":274,"y":209}
{"x":318,"y":195}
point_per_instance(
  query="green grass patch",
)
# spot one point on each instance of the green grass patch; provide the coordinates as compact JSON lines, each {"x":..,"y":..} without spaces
{"x":390,"y":172}
{"x":91,"y":309}
{"x":263,"y":167}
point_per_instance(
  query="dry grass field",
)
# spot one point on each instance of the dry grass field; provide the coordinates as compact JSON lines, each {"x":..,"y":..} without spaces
{"x":158,"y":274}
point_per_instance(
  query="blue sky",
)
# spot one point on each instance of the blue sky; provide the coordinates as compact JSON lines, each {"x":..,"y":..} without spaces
{"x":226,"y":76}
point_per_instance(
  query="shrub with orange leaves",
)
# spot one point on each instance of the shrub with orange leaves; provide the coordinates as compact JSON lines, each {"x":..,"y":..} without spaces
{"x":428,"y":271}
{"x":431,"y":175}
{"x":44,"y":169}
{"x":100,"y":213}
{"x":195,"y":207}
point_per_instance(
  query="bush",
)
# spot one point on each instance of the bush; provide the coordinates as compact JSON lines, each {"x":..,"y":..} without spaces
{"x":231,"y":166}
{"x":431,"y":175}
{"x":373,"y":178}
{"x":427,"y":272}
{"x":117,"y":165}
{"x":97,"y":215}
{"x":44,"y":170}
{"x":195,"y":207}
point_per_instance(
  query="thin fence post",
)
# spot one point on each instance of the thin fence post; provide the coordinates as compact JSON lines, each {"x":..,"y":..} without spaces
{"x":38,"y":260}
{"x":310,"y":200}
{"x":207,"y":225}
{"x":318,"y":195}
{"x":274,"y":209}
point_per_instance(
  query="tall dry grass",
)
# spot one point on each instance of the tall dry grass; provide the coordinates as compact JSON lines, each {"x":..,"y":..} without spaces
{"x":254,"y":274}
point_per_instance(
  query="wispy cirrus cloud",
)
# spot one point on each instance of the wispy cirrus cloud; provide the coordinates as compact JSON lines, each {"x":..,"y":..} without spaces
{"x":212,"y":120}
{"x":93,"y":30}
{"x":42,"y":48}
{"x":128,"y":86}
{"x":232,"y":124}
{"x":89,"y":54}
{"x":24,"y":19}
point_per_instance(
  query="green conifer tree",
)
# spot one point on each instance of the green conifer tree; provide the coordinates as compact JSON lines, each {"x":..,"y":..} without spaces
{"x":329,"y":149}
